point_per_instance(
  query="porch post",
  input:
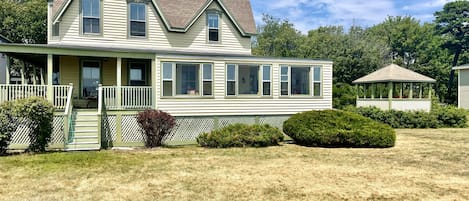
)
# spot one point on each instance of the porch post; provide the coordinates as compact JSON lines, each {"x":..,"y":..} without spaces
{"x":119,"y":82}
{"x":7,"y":70}
{"x":34,"y":75}
{"x":50,"y":90}
{"x":22,"y":72}
{"x":153,"y":83}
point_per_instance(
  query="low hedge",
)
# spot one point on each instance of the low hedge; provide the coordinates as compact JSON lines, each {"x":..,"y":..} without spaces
{"x":241,"y":135}
{"x":439,"y":117}
{"x":336,"y":128}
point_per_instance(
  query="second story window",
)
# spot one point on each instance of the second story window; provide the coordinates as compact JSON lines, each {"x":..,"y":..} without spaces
{"x":137,"y":19}
{"x":91,"y":12}
{"x":213,"y":27}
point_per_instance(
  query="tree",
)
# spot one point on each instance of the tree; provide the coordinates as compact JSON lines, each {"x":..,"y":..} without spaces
{"x":453,"y":23}
{"x":24,"y":21}
{"x":277,"y":38}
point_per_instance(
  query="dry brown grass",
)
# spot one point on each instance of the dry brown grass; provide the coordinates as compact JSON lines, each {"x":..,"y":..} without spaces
{"x":424,"y":165}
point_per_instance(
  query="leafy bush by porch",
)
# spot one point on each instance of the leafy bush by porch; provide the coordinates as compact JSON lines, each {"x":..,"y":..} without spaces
{"x":156,"y":125}
{"x":336,"y":128}
{"x":439,"y":117}
{"x":241,"y":135}
{"x":7,"y":126}
{"x":38,"y":111}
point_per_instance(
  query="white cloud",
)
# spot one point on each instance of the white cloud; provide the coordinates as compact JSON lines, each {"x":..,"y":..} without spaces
{"x":422,"y":6}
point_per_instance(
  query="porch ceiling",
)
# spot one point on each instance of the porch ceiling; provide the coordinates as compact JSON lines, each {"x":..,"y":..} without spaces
{"x":38,"y":60}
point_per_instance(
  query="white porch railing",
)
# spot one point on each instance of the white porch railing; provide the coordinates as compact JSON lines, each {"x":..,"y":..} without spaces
{"x":14,"y":92}
{"x":127,"y":97}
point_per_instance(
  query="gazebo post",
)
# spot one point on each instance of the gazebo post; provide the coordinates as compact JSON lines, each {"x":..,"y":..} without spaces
{"x":357,"y":91}
{"x":390,"y":95}
{"x":372,"y":90}
{"x":411,"y":91}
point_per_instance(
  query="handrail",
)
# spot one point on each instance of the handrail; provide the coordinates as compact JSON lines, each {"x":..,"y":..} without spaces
{"x":100,"y":98}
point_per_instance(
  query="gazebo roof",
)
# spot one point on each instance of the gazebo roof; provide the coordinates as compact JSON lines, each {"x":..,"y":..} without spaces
{"x":394,"y":73}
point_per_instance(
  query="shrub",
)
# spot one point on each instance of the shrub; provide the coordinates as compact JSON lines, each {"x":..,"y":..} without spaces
{"x":156,"y":125}
{"x":40,"y":113}
{"x":241,"y":135}
{"x":7,"y":126}
{"x":440,"y":116}
{"x":336,"y":128}
{"x":343,"y":95}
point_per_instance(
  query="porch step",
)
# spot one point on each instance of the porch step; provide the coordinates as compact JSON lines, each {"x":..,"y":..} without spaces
{"x":84,"y":131}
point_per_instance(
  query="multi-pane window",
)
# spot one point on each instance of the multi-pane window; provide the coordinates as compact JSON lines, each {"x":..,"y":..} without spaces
{"x":137,"y":19}
{"x":213,"y":27}
{"x":137,"y":74}
{"x":91,"y":13}
{"x":247,"y":80}
{"x":190,"y":79}
{"x":300,"y":80}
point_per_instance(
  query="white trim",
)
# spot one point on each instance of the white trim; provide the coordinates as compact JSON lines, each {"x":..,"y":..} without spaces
{"x":459,"y":88}
{"x":463,"y":67}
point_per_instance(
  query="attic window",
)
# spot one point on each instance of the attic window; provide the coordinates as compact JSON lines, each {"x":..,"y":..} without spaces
{"x":91,"y":12}
{"x":137,"y":19}
{"x":213,"y":27}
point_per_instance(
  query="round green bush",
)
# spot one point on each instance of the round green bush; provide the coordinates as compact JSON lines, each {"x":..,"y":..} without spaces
{"x":336,"y":128}
{"x":241,"y":135}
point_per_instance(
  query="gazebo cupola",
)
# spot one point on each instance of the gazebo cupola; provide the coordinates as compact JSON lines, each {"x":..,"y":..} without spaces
{"x":395,"y":87}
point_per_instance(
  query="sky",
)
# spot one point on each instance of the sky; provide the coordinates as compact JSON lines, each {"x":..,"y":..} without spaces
{"x":310,"y":14}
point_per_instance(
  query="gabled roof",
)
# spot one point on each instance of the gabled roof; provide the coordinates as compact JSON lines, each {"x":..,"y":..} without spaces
{"x":463,"y":67}
{"x":394,"y":73}
{"x":179,"y":15}
{"x":4,"y":39}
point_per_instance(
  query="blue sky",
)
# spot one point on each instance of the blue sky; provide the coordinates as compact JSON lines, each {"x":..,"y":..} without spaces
{"x":310,"y":14}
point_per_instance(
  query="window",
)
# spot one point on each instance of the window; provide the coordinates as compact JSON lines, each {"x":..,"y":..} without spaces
{"x":213,"y":27}
{"x":300,"y":80}
{"x":56,"y":29}
{"x":91,"y":77}
{"x":137,"y":74}
{"x":187,"y":79}
{"x":246,"y":80}
{"x":91,"y":12}
{"x":137,"y":19}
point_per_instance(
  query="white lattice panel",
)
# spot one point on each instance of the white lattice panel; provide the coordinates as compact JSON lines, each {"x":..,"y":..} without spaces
{"x":188,"y":128}
{"x":276,"y":121}
{"x":109,"y":128}
{"x":131,"y":131}
{"x":20,"y":136}
{"x":58,"y":135}
{"x":226,"y":121}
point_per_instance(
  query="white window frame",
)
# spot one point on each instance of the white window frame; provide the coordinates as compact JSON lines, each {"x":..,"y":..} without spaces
{"x":311,"y":78}
{"x":174,"y":80}
{"x":260,"y":84}
{"x":213,"y":13}
{"x":100,"y":18}
{"x":130,"y":20}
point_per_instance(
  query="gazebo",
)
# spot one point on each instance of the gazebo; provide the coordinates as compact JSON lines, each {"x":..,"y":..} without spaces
{"x":395,"y":87}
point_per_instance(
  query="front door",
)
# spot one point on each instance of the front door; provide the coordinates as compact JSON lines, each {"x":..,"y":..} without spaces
{"x":90,"y":79}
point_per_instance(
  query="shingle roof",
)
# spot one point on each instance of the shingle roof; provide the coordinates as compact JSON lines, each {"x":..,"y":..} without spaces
{"x":179,"y":14}
{"x":394,"y":73}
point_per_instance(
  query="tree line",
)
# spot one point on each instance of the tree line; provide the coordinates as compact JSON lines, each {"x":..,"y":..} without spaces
{"x":427,"y":48}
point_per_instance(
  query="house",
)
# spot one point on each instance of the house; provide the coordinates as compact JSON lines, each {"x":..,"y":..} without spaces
{"x":106,"y":60}
{"x":463,"y":86}
{"x":395,"y":88}
{"x":3,"y":62}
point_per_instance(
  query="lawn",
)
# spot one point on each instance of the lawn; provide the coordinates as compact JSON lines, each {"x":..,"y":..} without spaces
{"x":424,"y":165}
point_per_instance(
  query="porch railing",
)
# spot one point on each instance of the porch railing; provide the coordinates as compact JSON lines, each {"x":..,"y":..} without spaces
{"x":127,"y":97}
{"x":14,"y":92}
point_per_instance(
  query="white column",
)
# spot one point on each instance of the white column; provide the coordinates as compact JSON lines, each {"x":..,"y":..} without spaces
{"x":34,"y":75}
{"x":22,"y":73}
{"x":119,"y":81}
{"x":50,"y":67}
{"x":7,"y":78}
{"x":154,"y":82}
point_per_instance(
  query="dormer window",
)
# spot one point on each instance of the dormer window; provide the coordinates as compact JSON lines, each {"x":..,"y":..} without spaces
{"x":213,"y":27}
{"x":91,"y":13}
{"x":138,"y":19}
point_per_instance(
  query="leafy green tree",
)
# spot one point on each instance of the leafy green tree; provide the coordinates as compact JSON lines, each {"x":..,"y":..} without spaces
{"x":277,"y":38}
{"x":24,"y":21}
{"x":453,"y":24}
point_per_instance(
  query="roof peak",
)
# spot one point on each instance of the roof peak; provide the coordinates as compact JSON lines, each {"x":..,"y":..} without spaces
{"x":394,"y":73}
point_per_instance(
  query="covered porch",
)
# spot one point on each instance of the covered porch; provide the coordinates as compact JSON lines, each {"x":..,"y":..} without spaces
{"x":395,"y":88}
{"x":81,"y":78}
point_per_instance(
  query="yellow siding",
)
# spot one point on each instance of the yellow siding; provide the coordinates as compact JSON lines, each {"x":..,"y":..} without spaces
{"x":109,"y":72}
{"x":125,"y":72}
{"x":115,"y":33}
{"x":69,"y":68}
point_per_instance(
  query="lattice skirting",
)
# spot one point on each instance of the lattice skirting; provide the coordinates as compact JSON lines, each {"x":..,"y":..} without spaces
{"x":186,"y":129}
{"x":20,"y":136}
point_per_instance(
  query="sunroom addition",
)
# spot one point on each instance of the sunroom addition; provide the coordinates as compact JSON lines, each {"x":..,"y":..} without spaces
{"x":394,"y":87}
